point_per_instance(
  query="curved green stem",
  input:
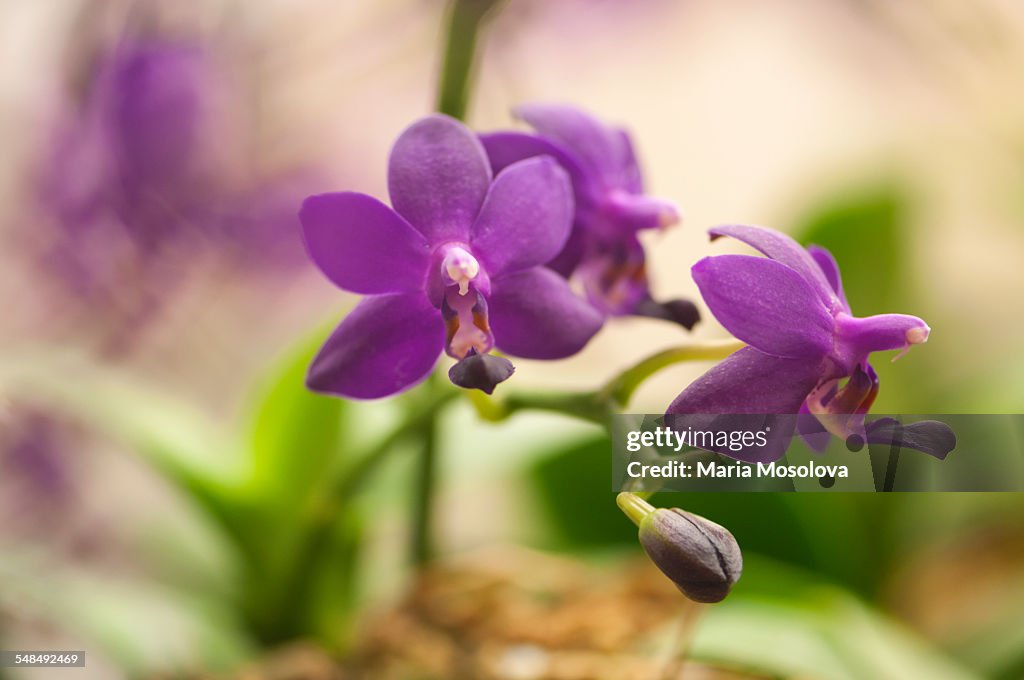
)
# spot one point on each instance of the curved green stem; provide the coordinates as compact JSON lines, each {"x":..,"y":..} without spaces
{"x":598,"y":406}
{"x":634,"y":506}
{"x":583,"y":405}
{"x":619,"y":390}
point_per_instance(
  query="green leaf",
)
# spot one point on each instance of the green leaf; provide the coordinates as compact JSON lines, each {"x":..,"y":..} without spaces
{"x":573,"y":487}
{"x":174,"y":437}
{"x":864,"y":227}
{"x":295,"y":434}
{"x":140,"y":626}
{"x":784,"y":621}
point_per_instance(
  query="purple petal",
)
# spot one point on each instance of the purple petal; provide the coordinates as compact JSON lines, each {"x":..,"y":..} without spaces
{"x":614,"y":276}
{"x":535,"y":315}
{"x":505,"y":148}
{"x":748,"y":391}
{"x":362,"y":245}
{"x":933,"y":437}
{"x":160,"y":97}
{"x":598,"y":148}
{"x":830,"y":269}
{"x":438,"y":176}
{"x":566,"y":262}
{"x":749,"y":381}
{"x":526,"y":217}
{"x":387,"y":344}
{"x":858,"y":337}
{"x":765,"y":304}
{"x":811,"y":430}
{"x":632,"y":179}
{"x":783,"y":249}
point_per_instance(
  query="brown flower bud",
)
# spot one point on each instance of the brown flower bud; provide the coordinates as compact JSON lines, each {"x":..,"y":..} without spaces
{"x":481,"y":372}
{"x":702,"y":558}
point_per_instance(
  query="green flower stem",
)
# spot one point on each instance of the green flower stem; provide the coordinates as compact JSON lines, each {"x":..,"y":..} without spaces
{"x":598,"y":406}
{"x":465,"y":17}
{"x":422,"y":536}
{"x":582,"y":405}
{"x":620,"y":389}
{"x":635,"y":507}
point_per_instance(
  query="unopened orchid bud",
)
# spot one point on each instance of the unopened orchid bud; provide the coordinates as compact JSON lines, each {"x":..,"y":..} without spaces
{"x":481,"y":371}
{"x":702,"y":558}
{"x":682,"y":312}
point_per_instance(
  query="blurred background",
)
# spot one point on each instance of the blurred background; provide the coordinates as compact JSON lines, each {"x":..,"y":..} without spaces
{"x":158,"y":314}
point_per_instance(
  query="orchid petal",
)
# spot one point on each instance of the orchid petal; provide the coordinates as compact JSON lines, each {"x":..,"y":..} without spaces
{"x":765,"y":304}
{"x":782,"y":249}
{"x":748,"y":391}
{"x":438,"y":176}
{"x":599,"y":149}
{"x":386,"y":344}
{"x":535,"y":315}
{"x":750,"y":381}
{"x":811,"y":430}
{"x":362,"y":245}
{"x":827,"y":263}
{"x":505,"y":148}
{"x":526,"y":217}
{"x":933,"y":437}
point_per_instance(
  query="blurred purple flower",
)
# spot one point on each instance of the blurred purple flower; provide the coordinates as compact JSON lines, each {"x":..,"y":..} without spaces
{"x":456,"y":266}
{"x":604,"y":251}
{"x":141,"y":177}
{"x":35,"y":471}
{"x":803,"y":339}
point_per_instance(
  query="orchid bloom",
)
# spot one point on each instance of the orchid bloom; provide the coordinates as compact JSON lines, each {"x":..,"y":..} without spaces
{"x":803,"y":338}
{"x":456,"y":265}
{"x":604,"y":251}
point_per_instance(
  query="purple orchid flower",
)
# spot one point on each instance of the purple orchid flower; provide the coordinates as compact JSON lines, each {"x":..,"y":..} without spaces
{"x":140,"y":165}
{"x":146,"y":173}
{"x":604,"y":251}
{"x":803,"y":339}
{"x":455,"y":265}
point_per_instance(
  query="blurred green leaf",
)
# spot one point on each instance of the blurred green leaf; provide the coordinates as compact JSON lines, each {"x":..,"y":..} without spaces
{"x":294,"y":433}
{"x":786,"y":622}
{"x":295,"y":442}
{"x":573,"y":487}
{"x":141,"y":626}
{"x":178,"y":440}
{"x":864,"y":227}
{"x":334,"y":588}
{"x":999,"y":651}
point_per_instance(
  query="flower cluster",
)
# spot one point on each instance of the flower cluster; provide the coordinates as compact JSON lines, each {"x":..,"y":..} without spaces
{"x":802,"y":337}
{"x":486,"y":233}
{"x":478,"y":250}
{"x":604,"y":251}
{"x":456,"y":265}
